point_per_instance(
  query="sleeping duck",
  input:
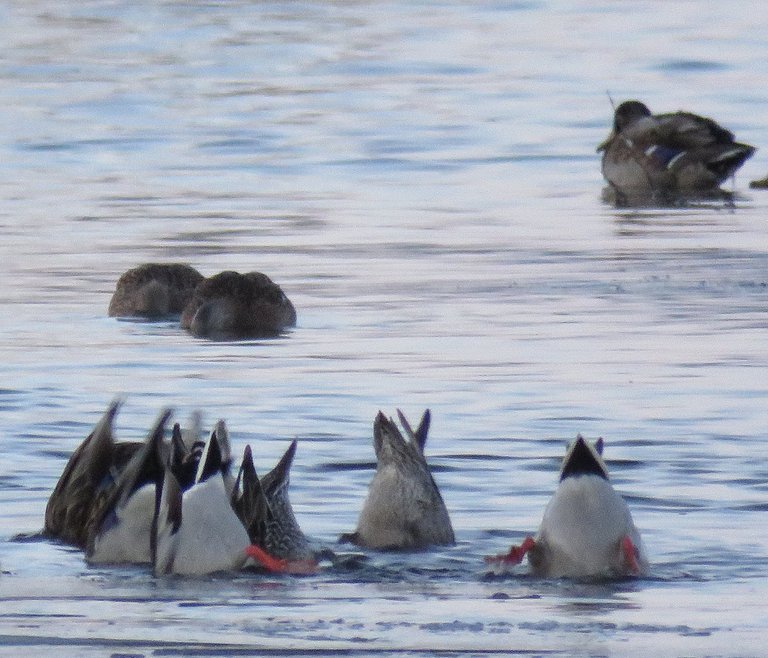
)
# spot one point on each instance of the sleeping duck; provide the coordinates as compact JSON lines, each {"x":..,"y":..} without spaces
{"x":404,"y":508}
{"x":665,"y":158}
{"x":154,"y":290}
{"x":231,"y":305}
{"x":587,"y":530}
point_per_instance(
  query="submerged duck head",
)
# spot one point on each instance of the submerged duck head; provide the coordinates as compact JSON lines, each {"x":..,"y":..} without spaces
{"x":265,"y":509}
{"x":104,"y":499}
{"x":196,"y":530}
{"x":120,"y":529}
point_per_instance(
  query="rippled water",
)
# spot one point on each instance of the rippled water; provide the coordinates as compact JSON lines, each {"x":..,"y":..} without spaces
{"x":421,"y":179}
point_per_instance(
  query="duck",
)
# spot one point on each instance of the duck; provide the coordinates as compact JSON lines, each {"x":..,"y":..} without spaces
{"x":196,"y":531}
{"x":104,"y":501}
{"x":93,"y":465}
{"x":665,"y":158}
{"x":219,"y":523}
{"x":154,"y":290}
{"x":587,"y":531}
{"x":120,"y":528}
{"x":277,"y":541}
{"x":231,"y":305}
{"x":403,"y":509}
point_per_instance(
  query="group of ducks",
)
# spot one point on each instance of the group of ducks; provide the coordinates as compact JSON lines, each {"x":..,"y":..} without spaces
{"x":225,"y":306}
{"x":647,"y":158}
{"x":179,"y":505}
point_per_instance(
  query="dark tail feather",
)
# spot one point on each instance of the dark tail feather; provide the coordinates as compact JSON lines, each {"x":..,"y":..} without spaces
{"x":728,"y":161}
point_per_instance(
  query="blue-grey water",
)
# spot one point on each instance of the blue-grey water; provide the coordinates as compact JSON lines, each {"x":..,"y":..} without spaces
{"x":421,"y":179}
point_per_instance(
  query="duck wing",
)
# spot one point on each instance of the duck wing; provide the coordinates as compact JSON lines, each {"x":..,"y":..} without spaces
{"x":685,"y":130}
{"x":145,"y":467}
{"x":92,"y":463}
{"x":250,"y":502}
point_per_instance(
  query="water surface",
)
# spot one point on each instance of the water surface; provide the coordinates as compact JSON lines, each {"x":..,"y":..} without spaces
{"x":421,"y":179}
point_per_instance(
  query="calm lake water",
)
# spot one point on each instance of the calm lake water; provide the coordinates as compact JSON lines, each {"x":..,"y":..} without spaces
{"x":421,"y":179}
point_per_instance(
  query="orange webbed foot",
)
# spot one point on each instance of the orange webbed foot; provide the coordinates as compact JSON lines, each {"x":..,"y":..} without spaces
{"x":629,"y":554}
{"x":281,"y":565}
{"x":514,"y":556}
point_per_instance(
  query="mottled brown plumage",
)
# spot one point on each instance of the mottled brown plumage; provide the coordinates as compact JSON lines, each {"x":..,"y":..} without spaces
{"x":404,"y":508}
{"x":93,"y":465}
{"x":667,"y":158}
{"x":234,"y":305}
{"x":154,"y":290}
{"x":265,"y":509}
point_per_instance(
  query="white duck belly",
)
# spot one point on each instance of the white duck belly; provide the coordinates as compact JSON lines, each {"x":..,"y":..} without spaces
{"x":210,"y":538}
{"x":582,"y":531}
{"x":127,"y":539}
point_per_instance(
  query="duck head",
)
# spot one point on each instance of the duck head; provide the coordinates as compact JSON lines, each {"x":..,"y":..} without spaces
{"x":626,"y":114}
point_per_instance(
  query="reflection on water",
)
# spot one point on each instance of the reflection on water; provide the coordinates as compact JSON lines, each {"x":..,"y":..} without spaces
{"x":422,"y":181}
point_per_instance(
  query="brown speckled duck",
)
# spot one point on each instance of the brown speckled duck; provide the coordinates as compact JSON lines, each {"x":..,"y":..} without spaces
{"x":233,"y":305}
{"x":664,"y":158}
{"x":587,"y":530}
{"x":105,"y":498}
{"x":277,"y":541}
{"x":154,"y":290}
{"x":404,"y":508}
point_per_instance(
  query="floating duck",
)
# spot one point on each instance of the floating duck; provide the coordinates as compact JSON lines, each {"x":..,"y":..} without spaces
{"x":234,"y":305}
{"x":154,"y":290}
{"x":404,"y":508}
{"x":587,"y":530}
{"x":105,"y":499}
{"x":124,"y":502}
{"x":217,"y":524}
{"x":665,"y":158}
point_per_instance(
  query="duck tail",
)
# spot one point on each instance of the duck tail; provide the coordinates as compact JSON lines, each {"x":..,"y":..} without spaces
{"x":728,"y":160}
